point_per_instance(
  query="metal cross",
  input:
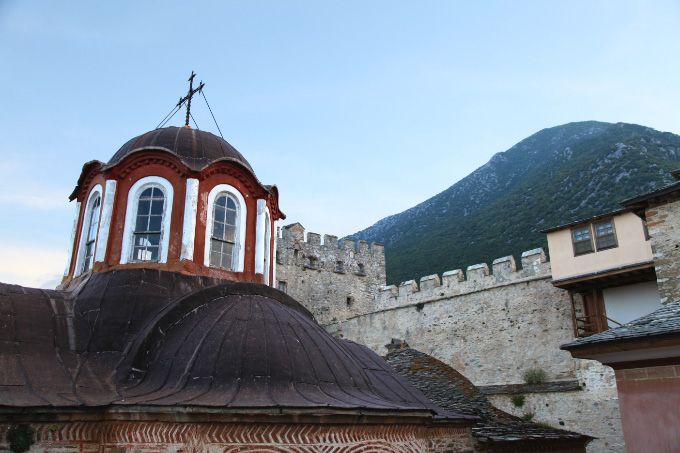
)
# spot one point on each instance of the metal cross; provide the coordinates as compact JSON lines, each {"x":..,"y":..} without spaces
{"x":189,"y":95}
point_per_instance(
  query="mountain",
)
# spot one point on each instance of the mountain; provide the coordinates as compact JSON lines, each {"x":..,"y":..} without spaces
{"x":555,"y":176}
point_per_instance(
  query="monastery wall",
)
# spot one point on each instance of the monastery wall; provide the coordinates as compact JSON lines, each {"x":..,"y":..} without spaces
{"x":334,"y":279}
{"x":491,"y":324}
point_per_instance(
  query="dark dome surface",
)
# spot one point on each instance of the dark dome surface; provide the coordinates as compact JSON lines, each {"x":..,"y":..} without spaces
{"x":194,"y":147}
{"x":235,"y":346}
{"x":150,"y":337}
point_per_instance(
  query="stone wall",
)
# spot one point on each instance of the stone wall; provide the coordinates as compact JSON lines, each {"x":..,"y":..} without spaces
{"x":663,"y":218}
{"x":333,"y":282}
{"x":491,"y":325}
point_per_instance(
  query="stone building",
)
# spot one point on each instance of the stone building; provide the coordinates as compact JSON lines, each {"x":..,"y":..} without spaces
{"x":645,"y":353}
{"x":166,"y":334}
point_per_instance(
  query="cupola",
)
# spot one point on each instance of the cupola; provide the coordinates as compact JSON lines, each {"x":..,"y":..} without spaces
{"x":177,"y":199}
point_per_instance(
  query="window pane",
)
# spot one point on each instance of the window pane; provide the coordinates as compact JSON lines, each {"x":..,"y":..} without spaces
{"x":155,"y":223}
{"x":231,"y":217}
{"x":606,"y":241}
{"x":154,"y":239}
{"x":139,"y":254}
{"x":157,"y":207}
{"x":143,"y":207}
{"x":157,"y":193}
{"x":220,"y":201}
{"x":142,"y":223}
{"x":215,"y":246}
{"x":146,"y":193}
{"x":141,"y":240}
{"x":218,"y":230}
{"x":226,"y":261}
{"x":604,"y":228}
{"x":227,"y":248}
{"x":231,"y":204}
{"x":152,"y":254}
{"x":215,"y":259}
{"x":219,"y":213}
{"x":583,"y":247}
{"x":229,"y":233}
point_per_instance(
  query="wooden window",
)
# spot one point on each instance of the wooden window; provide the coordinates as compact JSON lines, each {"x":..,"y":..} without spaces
{"x":146,"y":238}
{"x":224,"y":234}
{"x":605,"y":236}
{"x":582,"y":240}
{"x":93,"y":226}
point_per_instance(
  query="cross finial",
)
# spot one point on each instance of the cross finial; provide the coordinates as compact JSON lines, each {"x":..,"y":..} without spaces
{"x":189,"y":95}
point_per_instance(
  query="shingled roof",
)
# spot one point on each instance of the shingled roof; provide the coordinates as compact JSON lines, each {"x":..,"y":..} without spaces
{"x":497,"y":430}
{"x":661,"y":324}
{"x":141,"y":337}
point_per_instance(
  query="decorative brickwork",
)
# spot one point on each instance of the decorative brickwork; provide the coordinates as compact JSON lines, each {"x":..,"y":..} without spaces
{"x":148,"y":437}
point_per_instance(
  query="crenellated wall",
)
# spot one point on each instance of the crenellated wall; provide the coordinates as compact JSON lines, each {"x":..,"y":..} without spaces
{"x":491,"y":324}
{"x":334,"y":279}
{"x":456,"y":283}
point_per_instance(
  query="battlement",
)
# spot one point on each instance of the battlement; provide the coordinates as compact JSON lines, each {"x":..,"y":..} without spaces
{"x":292,"y":237}
{"x":477,"y":277}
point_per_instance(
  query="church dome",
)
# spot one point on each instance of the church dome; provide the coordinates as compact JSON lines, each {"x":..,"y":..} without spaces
{"x":247,"y":345}
{"x":194,"y":147}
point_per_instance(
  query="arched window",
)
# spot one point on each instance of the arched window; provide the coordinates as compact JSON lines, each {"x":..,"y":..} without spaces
{"x":223,"y":239}
{"x":88,"y":231}
{"x":225,"y":229}
{"x":146,"y":237}
{"x":93,"y":227}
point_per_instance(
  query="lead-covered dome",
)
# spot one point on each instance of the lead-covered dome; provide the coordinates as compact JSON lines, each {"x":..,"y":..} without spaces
{"x":194,"y":147}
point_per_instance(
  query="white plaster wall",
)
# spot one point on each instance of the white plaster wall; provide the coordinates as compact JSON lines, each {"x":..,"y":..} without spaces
{"x":189,"y":225}
{"x":626,"y":303}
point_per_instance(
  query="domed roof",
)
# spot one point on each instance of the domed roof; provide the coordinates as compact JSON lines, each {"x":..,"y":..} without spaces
{"x":150,"y":337}
{"x":194,"y":147}
{"x":247,"y":345}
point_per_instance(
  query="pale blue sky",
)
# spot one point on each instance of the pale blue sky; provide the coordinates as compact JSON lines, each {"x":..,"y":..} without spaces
{"x":355,"y":109}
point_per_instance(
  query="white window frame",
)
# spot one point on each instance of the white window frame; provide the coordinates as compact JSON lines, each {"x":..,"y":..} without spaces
{"x":84,"y":227}
{"x":131,"y":214}
{"x":241,"y":216}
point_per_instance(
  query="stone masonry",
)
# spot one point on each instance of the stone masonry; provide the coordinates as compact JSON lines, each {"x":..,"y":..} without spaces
{"x":490,"y":324}
{"x":334,"y":282}
{"x":663,"y":218}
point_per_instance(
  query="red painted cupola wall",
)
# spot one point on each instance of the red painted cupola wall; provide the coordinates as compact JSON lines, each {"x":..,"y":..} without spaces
{"x":177,"y":199}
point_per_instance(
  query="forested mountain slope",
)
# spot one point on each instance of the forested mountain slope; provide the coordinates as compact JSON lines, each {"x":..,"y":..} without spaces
{"x":555,"y":176}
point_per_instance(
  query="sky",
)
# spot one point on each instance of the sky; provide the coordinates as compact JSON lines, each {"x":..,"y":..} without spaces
{"x":356,"y":110}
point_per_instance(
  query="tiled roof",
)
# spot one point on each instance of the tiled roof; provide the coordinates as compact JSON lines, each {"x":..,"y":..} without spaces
{"x":452,"y":391}
{"x":662,"y":323}
{"x":154,"y":338}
